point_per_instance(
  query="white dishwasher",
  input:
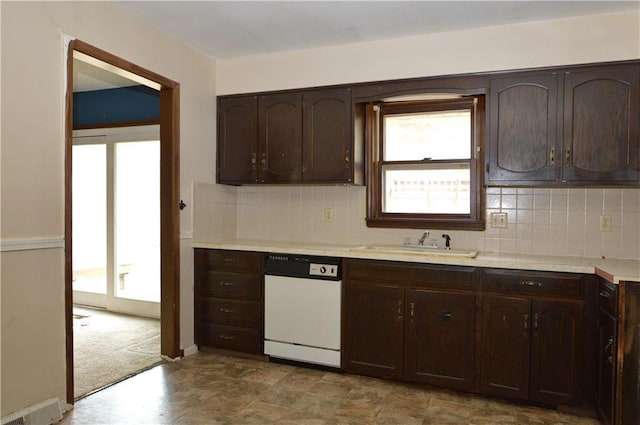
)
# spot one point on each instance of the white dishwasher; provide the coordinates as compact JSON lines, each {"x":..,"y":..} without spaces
{"x":302,"y":304}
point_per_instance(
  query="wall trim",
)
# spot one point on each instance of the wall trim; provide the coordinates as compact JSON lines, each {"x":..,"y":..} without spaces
{"x":28,"y":244}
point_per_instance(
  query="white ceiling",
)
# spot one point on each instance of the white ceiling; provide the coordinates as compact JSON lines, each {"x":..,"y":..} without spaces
{"x":229,"y":29}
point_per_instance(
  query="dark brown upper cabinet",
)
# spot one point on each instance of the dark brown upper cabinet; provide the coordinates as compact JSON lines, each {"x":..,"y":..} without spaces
{"x":565,"y":127}
{"x":523,"y":129}
{"x":280,"y":136}
{"x":237,"y":140}
{"x":327,"y":136}
{"x":601,"y":124}
{"x":288,"y":137}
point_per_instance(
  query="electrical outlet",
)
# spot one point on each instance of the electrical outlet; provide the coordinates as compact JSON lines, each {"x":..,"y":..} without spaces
{"x":329,"y":214}
{"x":605,"y":223}
{"x":499,"y":220}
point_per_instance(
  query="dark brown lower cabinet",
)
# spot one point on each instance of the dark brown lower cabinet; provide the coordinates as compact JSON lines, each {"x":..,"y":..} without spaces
{"x":439,"y":338}
{"x":556,"y":351}
{"x":628,"y":388}
{"x":396,"y":324}
{"x":373,"y":329}
{"x":228,"y":300}
{"x":532,"y":349}
{"x":606,"y":366}
{"x":505,"y":346}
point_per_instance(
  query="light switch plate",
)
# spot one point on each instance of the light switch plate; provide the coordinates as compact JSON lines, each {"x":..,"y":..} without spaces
{"x":499,"y":220}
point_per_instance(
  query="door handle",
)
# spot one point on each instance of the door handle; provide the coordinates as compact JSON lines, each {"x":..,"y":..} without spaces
{"x":399,"y":309}
{"x":412,"y":308}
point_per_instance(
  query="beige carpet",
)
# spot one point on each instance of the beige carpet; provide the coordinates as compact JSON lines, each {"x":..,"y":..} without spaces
{"x":109,"y":347}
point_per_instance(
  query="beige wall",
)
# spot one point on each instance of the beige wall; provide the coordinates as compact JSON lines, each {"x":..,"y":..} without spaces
{"x":541,"y":221}
{"x":32,"y":174}
{"x":556,"y":42}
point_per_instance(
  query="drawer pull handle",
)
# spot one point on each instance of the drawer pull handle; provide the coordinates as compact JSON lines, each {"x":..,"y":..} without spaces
{"x":229,"y":260}
{"x":608,"y":350}
{"x":226,"y":310}
{"x":536,"y":321}
{"x":399,"y":309}
{"x":413,"y":309}
{"x":223,"y":283}
{"x":227,"y":337}
{"x":531,"y":283}
{"x":605,"y":294}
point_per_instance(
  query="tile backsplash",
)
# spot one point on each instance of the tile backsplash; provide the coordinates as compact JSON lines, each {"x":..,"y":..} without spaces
{"x":540,"y":221}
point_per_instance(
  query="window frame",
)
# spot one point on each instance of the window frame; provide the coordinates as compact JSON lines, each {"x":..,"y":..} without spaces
{"x":374,"y":131}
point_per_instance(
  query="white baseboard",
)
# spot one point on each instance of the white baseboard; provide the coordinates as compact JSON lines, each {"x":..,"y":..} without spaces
{"x":190,"y":351}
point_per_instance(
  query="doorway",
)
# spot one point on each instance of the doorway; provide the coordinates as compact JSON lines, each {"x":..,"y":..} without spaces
{"x":169,"y":196}
{"x":116,"y":219}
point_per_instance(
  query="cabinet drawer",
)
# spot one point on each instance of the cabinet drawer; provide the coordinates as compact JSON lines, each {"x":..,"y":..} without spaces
{"x":229,"y":261}
{"x":229,"y":337}
{"x":414,"y":275}
{"x":608,"y":297}
{"x":229,"y":312}
{"x":528,"y":282}
{"x":229,"y":285}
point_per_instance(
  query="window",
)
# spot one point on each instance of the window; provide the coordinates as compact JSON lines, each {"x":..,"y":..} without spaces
{"x":424,"y":164}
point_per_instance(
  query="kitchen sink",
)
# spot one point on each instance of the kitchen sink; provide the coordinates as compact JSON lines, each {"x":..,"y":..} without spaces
{"x":416,"y":250}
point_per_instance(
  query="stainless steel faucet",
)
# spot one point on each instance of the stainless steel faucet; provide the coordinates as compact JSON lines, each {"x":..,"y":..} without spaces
{"x":424,"y":236}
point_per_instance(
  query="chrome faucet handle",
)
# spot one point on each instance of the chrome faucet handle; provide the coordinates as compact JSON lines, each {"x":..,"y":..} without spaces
{"x":424,"y":236}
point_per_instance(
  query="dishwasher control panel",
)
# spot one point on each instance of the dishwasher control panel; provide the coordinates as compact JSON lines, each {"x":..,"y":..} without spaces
{"x":323,"y":270}
{"x":311,"y":267}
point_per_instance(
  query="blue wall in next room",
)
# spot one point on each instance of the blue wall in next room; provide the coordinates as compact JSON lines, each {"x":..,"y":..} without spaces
{"x":112,"y":106}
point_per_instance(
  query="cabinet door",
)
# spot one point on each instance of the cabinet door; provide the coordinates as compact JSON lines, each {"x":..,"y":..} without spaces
{"x":601,"y":125}
{"x":556,"y":352}
{"x":280,"y":137}
{"x":505,"y":346}
{"x":327,"y":136}
{"x":607,"y":342}
{"x":237,"y":140}
{"x":439,"y":338}
{"x":523,"y":129}
{"x":373,"y":329}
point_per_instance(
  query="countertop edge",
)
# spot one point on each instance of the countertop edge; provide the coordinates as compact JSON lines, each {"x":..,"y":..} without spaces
{"x":613,"y":270}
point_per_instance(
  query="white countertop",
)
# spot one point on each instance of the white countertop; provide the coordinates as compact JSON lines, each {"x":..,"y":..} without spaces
{"x":610,"y":269}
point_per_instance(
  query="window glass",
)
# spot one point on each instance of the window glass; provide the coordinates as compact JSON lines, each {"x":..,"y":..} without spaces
{"x":433,"y":135}
{"x":432,"y":189}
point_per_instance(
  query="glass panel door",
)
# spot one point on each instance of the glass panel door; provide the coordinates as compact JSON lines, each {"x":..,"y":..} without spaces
{"x":137,"y":200}
{"x":90,"y":218}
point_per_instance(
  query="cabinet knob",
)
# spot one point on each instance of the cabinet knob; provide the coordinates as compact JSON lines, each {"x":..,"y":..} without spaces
{"x":399,"y":309}
{"x":253,"y":161}
{"x":347,"y":159}
{"x":412,"y":308}
{"x":536,"y":321}
{"x":552,"y":155}
{"x":567,"y":157}
{"x":526,"y":322}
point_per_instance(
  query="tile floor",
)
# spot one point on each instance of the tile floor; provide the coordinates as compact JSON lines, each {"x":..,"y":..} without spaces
{"x":210,"y":388}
